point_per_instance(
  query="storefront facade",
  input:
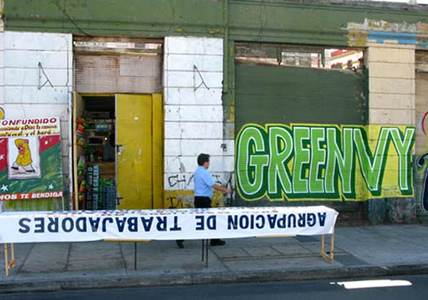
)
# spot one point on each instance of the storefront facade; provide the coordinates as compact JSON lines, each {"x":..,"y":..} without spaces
{"x":172,"y":84}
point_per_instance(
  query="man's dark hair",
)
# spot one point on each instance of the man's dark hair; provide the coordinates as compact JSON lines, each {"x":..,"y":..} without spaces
{"x":203,"y":158}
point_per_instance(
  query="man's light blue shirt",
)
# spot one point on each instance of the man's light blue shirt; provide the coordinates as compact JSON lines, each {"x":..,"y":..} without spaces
{"x":203,"y":182}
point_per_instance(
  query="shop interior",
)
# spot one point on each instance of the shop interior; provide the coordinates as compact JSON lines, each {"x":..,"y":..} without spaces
{"x":95,"y":148}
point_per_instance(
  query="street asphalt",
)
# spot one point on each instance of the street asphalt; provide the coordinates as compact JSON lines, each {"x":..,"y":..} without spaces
{"x":409,"y":288}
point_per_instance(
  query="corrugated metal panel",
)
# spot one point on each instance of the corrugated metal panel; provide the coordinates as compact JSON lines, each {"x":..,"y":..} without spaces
{"x":117,"y":73}
{"x":274,"y":94}
{"x":117,"y":65}
{"x":269,"y":94}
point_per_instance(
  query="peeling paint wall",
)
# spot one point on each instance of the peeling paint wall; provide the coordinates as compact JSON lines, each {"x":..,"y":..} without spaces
{"x":391,"y":63}
{"x":384,"y":32}
{"x":193,"y":75}
{"x":36,"y":80}
{"x":392,"y":101}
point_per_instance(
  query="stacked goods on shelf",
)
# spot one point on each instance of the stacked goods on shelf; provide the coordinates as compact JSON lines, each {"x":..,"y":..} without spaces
{"x":96,"y":161}
{"x":103,"y":125}
{"x":100,"y":132}
{"x":89,"y":175}
{"x":92,"y":194}
{"x":107,"y":194}
{"x":81,"y":163}
{"x":107,"y":170}
{"x":80,"y":132}
{"x":95,"y":186}
{"x":110,"y":197}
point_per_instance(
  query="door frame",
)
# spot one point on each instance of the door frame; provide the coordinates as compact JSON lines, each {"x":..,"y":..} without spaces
{"x":78,"y":101}
{"x":157,"y":145}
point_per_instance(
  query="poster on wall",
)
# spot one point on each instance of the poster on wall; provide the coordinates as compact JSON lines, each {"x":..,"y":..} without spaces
{"x":30,"y":159}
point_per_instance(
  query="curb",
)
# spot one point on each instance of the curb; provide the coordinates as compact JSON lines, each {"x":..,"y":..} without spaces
{"x":139,"y":279}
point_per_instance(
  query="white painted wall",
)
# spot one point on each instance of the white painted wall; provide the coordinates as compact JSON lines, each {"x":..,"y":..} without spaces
{"x":20,"y":93}
{"x":194,"y":116}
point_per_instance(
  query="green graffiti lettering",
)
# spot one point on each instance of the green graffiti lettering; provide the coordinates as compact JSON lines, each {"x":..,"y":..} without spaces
{"x":301,"y":159}
{"x":281,"y":149}
{"x":251,"y":161}
{"x":318,"y":155}
{"x":281,"y":162}
{"x":403,"y":145}
{"x":372,"y":166}
{"x":340,"y":157}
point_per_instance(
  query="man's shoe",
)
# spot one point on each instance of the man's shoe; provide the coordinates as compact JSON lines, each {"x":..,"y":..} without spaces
{"x":217,"y":242}
{"x":180,"y":244}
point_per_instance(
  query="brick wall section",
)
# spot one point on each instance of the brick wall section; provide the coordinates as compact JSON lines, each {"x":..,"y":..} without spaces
{"x":20,"y":94}
{"x":391,"y":102}
{"x":193,"y":111}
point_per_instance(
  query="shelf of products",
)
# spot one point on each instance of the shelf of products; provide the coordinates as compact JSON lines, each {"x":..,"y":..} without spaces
{"x":96,"y":164}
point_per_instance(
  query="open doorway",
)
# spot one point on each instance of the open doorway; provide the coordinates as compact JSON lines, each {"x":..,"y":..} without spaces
{"x":117,"y":151}
{"x":117,"y":84}
{"x":96,"y":154}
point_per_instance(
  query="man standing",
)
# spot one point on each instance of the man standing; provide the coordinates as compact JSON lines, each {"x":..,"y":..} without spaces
{"x":204,"y":186}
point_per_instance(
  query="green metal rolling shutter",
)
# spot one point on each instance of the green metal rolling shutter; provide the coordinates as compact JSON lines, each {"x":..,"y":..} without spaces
{"x":278,"y":94}
{"x":270,"y":94}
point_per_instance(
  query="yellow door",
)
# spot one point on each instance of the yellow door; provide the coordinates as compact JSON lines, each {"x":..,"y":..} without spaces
{"x":134,"y":151}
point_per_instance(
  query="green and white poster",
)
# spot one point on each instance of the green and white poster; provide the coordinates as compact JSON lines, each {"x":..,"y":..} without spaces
{"x":30,"y":159}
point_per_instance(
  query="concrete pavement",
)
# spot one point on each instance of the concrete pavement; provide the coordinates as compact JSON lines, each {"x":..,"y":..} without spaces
{"x":360,"y":251}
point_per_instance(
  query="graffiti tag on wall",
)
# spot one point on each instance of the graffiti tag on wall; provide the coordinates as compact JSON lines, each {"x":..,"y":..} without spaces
{"x":180,"y":190}
{"x":308,"y":162}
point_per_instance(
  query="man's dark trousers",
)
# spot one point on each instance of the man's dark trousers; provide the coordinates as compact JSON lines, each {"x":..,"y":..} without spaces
{"x":201,"y":202}
{"x":205,"y":202}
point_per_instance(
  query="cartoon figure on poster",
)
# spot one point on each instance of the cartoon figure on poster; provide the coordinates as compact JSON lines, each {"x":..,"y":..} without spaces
{"x":24,"y":159}
{"x":30,"y":159}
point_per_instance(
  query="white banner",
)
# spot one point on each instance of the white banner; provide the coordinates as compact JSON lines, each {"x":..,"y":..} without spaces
{"x":168,"y":224}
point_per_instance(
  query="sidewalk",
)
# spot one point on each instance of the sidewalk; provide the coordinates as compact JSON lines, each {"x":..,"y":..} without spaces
{"x":360,"y":252}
